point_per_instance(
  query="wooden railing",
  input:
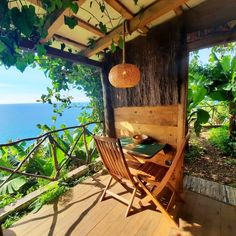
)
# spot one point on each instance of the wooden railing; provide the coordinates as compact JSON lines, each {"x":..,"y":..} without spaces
{"x":54,"y":142}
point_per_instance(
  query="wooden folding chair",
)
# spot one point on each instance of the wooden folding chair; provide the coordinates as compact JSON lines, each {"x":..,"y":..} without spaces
{"x":113,"y":158}
{"x":154,"y":179}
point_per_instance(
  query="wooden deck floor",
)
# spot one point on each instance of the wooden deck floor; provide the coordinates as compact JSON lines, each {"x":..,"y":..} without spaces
{"x":79,"y":213}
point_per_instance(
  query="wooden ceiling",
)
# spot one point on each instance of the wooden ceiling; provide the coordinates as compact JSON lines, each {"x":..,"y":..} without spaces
{"x":141,"y":17}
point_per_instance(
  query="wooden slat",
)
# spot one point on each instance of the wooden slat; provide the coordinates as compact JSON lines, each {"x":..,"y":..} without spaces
{"x":164,"y":134}
{"x":119,"y":7}
{"x":53,"y":27}
{"x":89,"y":27}
{"x":125,"y":12}
{"x":158,"y":115}
{"x":151,"y":13}
{"x":53,"y":52}
{"x":69,"y":41}
{"x":159,"y":122}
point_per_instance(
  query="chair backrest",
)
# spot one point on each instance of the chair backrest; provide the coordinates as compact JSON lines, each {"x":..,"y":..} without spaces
{"x":113,"y":158}
{"x":177,"y":158}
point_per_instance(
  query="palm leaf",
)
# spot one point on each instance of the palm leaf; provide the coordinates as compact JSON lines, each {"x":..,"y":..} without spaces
{"x":13,"y":185}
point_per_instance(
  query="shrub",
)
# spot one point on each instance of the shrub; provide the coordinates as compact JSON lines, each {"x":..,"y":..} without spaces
{"x":219,"y":137}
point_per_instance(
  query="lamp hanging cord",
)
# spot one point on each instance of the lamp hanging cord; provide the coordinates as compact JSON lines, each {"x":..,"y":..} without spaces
{"x":124,"y":41}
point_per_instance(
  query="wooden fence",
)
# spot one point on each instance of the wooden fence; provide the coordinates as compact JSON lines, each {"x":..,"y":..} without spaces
{"x":50,"y":139}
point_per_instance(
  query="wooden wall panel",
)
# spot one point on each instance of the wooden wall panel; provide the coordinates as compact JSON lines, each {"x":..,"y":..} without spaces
{"x":159,"y":122}
{"x":159,"y":115}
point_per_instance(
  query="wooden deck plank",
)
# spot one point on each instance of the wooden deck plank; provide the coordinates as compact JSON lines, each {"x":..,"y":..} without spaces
{"x":228,"y":225}
{"x":79,"y":213}
{"x":97,"y":216}
{"x":113,"y":216}
{"x":44,"y":218}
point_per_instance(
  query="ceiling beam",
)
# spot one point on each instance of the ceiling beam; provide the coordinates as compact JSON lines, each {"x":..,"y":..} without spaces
{"x":210,"y":14}
{"x":124,"y":11}
{"x":56,"y":53}
{"x":89,"y":27}
{"x":151,"y":13}
{"x":212,"y":40}
{"x":69,"y":41}
{"x":119,"y":7}
{"x":57,"y":20}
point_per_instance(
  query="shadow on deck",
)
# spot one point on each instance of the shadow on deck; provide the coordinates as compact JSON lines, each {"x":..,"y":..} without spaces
{"x":79,"y":213}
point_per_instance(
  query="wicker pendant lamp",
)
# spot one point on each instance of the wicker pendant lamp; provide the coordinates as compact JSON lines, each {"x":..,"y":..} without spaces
{"x":124,"y":75}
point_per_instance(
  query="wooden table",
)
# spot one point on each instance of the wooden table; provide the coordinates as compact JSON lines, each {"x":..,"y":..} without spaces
{"x":141,"y":152}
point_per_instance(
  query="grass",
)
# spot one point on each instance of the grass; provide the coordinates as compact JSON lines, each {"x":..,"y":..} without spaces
{"x":194,"y":150}
{"x":219,"y":137}
{"x":6,"y":199}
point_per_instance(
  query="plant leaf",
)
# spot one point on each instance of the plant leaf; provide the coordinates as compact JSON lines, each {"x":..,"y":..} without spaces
{"x":71,"y":22}
{"x":74,"y":7}
{"x":113,"y":47}
{"x":13,"y":185}
{"x":202,"y":116}
{"x":121,"y":43}
{"x":103,"y":27}
{"x":41,"y":50}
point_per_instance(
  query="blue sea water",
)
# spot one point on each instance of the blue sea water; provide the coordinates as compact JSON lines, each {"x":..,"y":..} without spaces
{"x":19,"y":121}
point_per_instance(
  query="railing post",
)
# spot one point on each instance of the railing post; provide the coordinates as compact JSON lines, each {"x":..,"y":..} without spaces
{"x":86,"y":146}
{"x":54,"y":152}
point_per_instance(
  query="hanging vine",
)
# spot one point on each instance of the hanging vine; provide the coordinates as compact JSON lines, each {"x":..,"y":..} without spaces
{"x":20,"y":20}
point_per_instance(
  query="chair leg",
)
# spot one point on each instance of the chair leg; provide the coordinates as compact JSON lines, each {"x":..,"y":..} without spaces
{"x":160,"y":207}
{"x":131,"y":202}
{"x":105,"y":189}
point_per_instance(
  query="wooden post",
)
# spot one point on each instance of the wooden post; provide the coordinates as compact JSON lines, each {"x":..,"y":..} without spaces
{"x":182,"y":110}
{"x":108,"y":109}
{"x":86,"y":146}
{"x":54,"y":152}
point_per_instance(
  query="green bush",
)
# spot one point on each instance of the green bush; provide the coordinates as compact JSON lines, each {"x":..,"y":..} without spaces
{"x":219,"y":137}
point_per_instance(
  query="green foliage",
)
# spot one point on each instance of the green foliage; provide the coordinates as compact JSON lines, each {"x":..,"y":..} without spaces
{"x":12,"y":218}
{"x":74,"y":7}
{"x":13,"y":185}
{"x":71,"y":22}
{"x":102,"y":27}
{"x":196,"y":94}
{"x":194,"y":151}
{"x":213,"y":82}
{"x":28,"y":19}
{"x":202,"y":117}
{"x":6,"y":199}
{"x":51,"y":195}
{"x":219,"y":137}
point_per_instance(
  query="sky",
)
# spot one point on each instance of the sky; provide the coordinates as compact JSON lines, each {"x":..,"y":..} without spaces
{"x":27,"y":87}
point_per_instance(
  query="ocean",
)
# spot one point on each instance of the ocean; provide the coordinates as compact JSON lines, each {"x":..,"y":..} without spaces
{"x":19,"y":121}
